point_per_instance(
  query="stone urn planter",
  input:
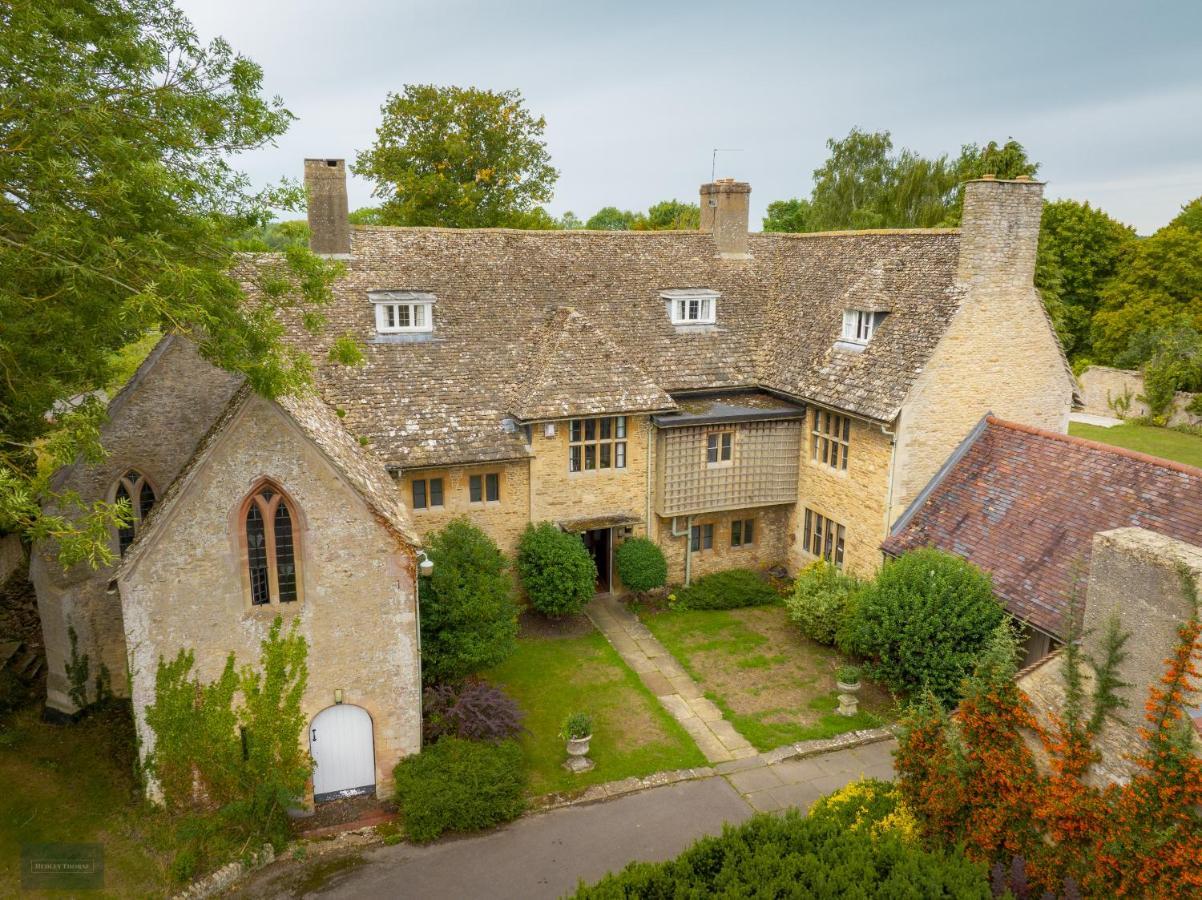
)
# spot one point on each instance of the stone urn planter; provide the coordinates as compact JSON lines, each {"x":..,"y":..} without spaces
{"x":847,"y":680}
{"x":577,"y":732}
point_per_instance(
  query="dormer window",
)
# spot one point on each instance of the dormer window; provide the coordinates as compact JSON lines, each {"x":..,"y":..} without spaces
{"x":859,"y":324}
{"x":403,"y":312}
{"x":692,"y":306}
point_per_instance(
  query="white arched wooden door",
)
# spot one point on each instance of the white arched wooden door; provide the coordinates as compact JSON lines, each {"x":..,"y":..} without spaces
{"x":344,"y":757}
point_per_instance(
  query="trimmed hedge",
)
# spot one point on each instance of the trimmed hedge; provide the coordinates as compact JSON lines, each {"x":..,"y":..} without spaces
{"x":641,"y":565}
{"x":729,"y":589}
{"x":820,"y":600}
{"x":460,"y":785}
{"x":557,"y":572}
{"x":791,"y":856}
{"x":923,"y":623}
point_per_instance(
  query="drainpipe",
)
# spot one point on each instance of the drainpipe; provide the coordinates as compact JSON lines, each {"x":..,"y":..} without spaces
{"x":687,"y":534}
{"x":650,"y":443}
{"x":892,"y":435}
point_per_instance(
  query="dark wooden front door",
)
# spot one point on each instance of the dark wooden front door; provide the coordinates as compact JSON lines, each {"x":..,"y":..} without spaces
{"x":597,"y":542}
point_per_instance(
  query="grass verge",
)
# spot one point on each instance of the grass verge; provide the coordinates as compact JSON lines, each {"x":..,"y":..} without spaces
{"x":75,"y":784}
{"x":552,"y":677}
{"x":773,"y":685}
{"x":1163,"y":442}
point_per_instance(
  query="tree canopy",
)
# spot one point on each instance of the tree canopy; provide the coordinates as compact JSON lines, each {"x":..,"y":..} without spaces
{"x":1080,"y":249}
{"x":865,"y":184}
{"x":119,"y":215}
{"x":459,"y":158}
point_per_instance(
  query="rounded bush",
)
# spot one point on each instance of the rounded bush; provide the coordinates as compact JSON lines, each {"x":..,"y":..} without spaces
{"x":556,"y":570}
{"x":469,"y":618}
{"x":459,"y":785}
{"x":475,"y":710}
{"x":923,"y":623}
{"x":820,"y":600}
{"x":641,"y":565}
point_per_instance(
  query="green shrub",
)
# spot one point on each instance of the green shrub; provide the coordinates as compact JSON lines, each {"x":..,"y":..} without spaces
{"x":557,"y":572}
{"x":792,"y":856}
{"x":469,"y":619}
{"x":641,"y":565}
{"x":923,"y":623}
{"x":819,"y":601}
{"x":729,"y":589}
{"x":576,"y":726}
{"x":460,"y":785}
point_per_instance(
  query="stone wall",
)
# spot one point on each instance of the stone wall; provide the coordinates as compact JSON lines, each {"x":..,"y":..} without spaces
{"x":559,"y":495}
{"x":503,"y":521}
{"x":358,"y":609}
{"x":1136,"y":576}
{"x":854,"y":498}
{"x":154,"y":426}
{"x":999,"y":353}
{"x":770,"y":548}
{"x":1102,"y":386}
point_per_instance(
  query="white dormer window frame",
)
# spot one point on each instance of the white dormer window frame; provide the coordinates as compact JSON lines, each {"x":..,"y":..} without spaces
{"x":403,"y":312}
{"x":692,"y":306}
{"x":859,"y":325}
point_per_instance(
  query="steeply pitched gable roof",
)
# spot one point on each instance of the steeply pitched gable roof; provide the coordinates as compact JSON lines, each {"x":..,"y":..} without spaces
{"x":574,"y":369}
{"x":442,"y":398}
{"x":362,"y":470}
{"x":1024,"y":504}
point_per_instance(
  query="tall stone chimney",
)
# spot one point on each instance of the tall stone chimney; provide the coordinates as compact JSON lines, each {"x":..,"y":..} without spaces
{"x":329,"y":223}
{"x":999,"y":231}
{"x":724,"y":211}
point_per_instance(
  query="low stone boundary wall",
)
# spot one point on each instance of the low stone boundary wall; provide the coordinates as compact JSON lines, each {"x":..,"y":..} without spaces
{"x":1102,"y":387}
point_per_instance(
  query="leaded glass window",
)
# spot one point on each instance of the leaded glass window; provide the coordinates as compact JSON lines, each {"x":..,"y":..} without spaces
{"x":134,"y":489}
{"x":271,"y":549}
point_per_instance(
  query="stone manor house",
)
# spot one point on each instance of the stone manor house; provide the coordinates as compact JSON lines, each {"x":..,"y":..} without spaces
{"x":741,"y":399}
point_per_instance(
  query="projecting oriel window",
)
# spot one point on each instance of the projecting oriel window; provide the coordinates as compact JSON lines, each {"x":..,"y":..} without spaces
{"x":692,"y":306}
{"x":595,"y":444}
{"x":133,"y":488}
{"x":719,"y":448}
{"x":859,"y":325}
{"x":823,"y":538}
{"x":830,"y":439}
{"x":400,"y":312}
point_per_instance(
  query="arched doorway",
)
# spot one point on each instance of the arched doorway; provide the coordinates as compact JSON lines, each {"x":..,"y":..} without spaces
{"x":344,"y":756}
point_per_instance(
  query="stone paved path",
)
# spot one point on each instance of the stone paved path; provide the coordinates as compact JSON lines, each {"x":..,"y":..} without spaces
{"x":668,"y":681}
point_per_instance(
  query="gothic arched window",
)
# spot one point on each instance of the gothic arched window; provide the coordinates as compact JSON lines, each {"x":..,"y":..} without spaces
{"x":136,"y":490}
{"x":270,"y":547}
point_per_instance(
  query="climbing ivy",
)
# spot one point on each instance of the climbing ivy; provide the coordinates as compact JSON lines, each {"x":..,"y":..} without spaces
{"x":227,"y":754}
{"x":78,"y":668}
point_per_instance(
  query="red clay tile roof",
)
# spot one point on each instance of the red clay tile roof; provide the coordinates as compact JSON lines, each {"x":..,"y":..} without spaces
{"x":1023,"y":504}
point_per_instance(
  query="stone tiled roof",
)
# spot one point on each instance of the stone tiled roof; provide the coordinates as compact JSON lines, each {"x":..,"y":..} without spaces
{"x":573,"y":368}
{"x":1024,"y":504}
{"x":320,"y":424}
{"x":442,"y":398}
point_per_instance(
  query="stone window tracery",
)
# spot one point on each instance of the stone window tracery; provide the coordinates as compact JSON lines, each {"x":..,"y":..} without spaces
{"x":271,"y":557}
{"x":133,"y":488}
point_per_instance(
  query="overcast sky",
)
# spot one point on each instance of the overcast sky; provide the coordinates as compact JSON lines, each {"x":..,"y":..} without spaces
{"x":1107,"y":96}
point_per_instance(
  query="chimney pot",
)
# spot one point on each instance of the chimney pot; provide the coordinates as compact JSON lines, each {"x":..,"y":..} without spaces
{"x":725,"y":204}
{"x":329,"y":217}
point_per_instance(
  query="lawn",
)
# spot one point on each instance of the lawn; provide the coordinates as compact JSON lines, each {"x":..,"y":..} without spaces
{"x":1163,"y":442}
{"x":552,"y":677}
{"x":775,"y":686}
{"x":69,"y":784}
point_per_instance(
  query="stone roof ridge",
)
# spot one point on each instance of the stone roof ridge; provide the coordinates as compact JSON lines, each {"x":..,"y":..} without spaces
{"x":1086,"y":443}
{"x":550,"y":384}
